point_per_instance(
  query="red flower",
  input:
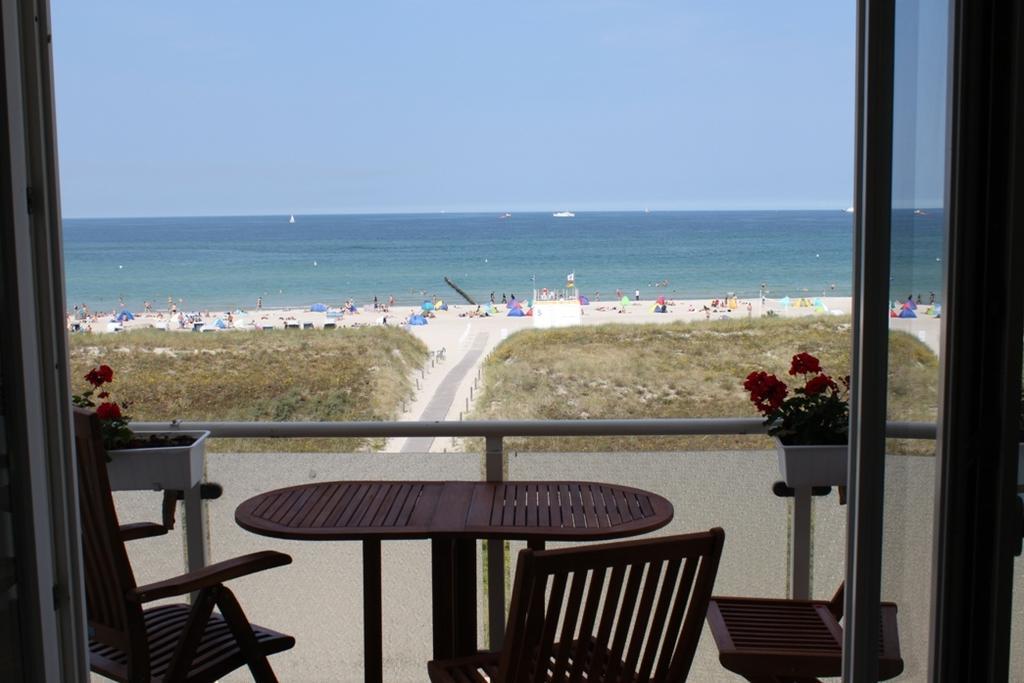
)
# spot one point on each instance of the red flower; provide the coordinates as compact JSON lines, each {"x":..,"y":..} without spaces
{"x":108,"y":411}
{"x":818,"y":384}
{"x":767,"y":392}
{"x":99,"y":376}
{"x":804,"y":364}
{"x":103,"y":394}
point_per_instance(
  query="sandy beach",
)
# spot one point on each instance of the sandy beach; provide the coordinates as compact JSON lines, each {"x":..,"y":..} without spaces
{"x":459,"y":340}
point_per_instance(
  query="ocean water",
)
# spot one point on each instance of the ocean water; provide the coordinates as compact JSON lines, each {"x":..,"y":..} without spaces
{"x":227,"y":262}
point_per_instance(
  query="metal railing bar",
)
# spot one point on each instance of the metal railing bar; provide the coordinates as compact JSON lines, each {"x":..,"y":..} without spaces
{"x":505,"y":428}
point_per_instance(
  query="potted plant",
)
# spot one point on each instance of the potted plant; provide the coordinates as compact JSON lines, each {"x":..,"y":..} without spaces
{"x":141,"y":460}
{"x":810,"y":425}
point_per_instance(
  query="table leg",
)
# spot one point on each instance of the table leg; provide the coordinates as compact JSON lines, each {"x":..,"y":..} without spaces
{"x":453,"y":572}
{"x":373,"y":631}
{"x":464,"y":591}
{"x":441,"y":570}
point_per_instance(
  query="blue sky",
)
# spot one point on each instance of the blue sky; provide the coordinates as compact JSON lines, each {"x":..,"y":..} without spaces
{"x":205,"y":108}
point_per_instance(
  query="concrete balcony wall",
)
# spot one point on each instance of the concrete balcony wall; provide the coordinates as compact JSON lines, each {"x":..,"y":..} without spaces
{"x":318,"y":598}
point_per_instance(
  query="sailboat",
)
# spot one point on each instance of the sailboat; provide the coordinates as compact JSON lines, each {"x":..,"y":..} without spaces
{"x":291,"y":218}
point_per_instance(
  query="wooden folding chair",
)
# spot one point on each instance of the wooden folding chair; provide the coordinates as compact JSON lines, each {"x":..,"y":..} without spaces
{"x":168,"y":643}
{"x":630,"y":611}
{"x":792,"y":641}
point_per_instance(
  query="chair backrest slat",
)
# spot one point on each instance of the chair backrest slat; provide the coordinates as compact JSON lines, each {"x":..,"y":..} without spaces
{"x":623,"y":621}
{"x":675,"y":621}
{"x":114,"y":621}
{"x":642,"y":624}
{"x":612,"y":607}
{"x":563,"y":652}
{"x":660,"y":615}
{"x":597,"y":578}
{"x":547,"y":636}
{"x":612,"y":597}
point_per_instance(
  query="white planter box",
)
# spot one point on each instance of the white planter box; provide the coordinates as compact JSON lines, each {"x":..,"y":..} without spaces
{"x":150,"y":469}
{"x":812,"y":465}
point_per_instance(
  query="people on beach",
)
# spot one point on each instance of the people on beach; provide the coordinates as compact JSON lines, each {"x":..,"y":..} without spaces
{"x":637,"y":295}
{"x":259,"y":303}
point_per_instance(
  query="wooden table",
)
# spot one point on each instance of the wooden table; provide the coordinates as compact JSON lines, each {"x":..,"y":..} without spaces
{"x":452,"y":514}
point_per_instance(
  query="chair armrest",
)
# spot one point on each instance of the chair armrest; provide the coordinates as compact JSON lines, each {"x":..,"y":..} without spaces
{"x":131,"y":532}
{"x":211,"y":575}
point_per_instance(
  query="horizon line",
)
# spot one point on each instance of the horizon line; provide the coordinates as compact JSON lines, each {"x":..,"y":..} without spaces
{"x":445,"y":212}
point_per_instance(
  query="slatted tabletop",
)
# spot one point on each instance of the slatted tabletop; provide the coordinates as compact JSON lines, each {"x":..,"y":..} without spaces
{"x":525,"y":510}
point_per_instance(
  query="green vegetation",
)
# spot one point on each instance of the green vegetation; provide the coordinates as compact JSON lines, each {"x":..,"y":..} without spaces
{"x":345,"y":374}
{"x":678,"y":370}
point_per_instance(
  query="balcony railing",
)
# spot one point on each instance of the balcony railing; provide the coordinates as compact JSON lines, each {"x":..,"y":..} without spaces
{"x":732,"y":489}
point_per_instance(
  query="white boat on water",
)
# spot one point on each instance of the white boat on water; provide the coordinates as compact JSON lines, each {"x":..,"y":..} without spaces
{"x":564,"y":214}
{"x":291,"y":219}
{"x":506,"y":215}
{"x":849,"y":209}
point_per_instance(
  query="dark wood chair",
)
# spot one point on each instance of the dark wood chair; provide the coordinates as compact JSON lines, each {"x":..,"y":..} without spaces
{"x":792,"y":641}
{"x":170,"y":642}
{"x":630,"y":611}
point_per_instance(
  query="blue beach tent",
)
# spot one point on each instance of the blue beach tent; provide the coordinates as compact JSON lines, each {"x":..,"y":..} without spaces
{"x":515,"y":312}
{"x":219,"y":324}
{"x":125,"y":315}
{"x":417,"y":320}
{"x":318,"y":308}
{"x":584,"y":301}
{"x":427,"y":306}
{"x":907,"y":313}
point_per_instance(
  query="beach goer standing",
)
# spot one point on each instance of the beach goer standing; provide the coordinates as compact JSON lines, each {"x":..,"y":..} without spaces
{"x":170,"y":302}
{"x":503,"y":299}
{"x":750,"y":310}
{"x":259,"y":303}
{"x":492,"y":297}
{"x":637,"y":295}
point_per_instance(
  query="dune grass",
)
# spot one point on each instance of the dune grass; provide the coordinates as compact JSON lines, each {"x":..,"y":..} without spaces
{"x":678,"y":370}
{"x":282,"y":375}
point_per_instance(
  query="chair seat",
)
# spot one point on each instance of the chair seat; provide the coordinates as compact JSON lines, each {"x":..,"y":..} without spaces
{"x":216,"y":655}
{"x":483,"y":668}
{"x":791,"y":638}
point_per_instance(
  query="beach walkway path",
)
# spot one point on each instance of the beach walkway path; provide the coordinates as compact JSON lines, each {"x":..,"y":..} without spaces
{"x":443,"y":397}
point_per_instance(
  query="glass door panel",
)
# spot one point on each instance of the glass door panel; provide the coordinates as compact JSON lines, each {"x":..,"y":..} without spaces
{"x":917,"y":243}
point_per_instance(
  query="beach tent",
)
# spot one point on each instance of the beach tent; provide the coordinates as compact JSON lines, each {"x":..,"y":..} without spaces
{"x":318,"y":308}
{"x":427,"y":306}
{"x":584,"y":301}
{"x":625,"y":301}
{"x":220,"y":324}
{"x":660,"y":308}
{"x":784,"y":302}
{"x":516,"y":312}
{"x":125,"y":315}
{"x":661,"y":300}
{"x":417,"y":320}
{"x":907,"y":313}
